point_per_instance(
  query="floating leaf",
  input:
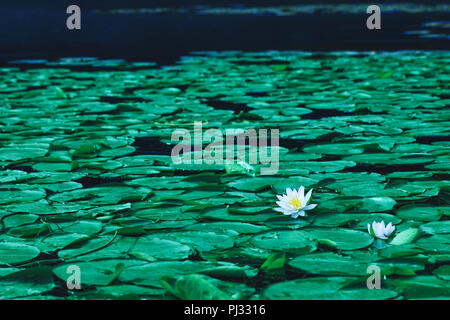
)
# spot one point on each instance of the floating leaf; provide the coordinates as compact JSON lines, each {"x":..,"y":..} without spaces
{"x":344,"y":239}
{"x":13,"y":253}
{"x":406,"y":236}
{"x":289,"y":241}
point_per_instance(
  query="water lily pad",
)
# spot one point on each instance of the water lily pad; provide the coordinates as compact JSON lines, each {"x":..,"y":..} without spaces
{"x":196,"y":287}
{"x":345,"y":239}
{"x":406,"y":236}
{"x":224,"y":227}
{"x":200,"y":240}
{"x":20,"y":153}
{"x":20,"y":196}
{"x":26,"y":283}
{"x":420,"y":287}
{"x":289,"y":241}
{"x":436,"y":227}
{"x":419,"y":212}
{"x":60,"y":241}
{"x":324,"y":289}
{"x":443,"y":272}
{"x":128,"y":291}
{"x":160,"y":249}
{"x":149,"y":274}
{"x":13,"y":253}
{"x":328,"y":263}
{"x":101,"y":272}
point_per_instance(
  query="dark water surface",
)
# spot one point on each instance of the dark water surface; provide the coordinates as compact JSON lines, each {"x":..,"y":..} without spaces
{"x":30,"y":31}
{"x":87,"y":178}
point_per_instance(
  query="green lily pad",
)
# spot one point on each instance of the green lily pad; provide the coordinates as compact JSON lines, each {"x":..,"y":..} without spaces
{"x":324,"y":289}
{"x":26,"y":283}
{"x":293,"y":241}
{"x":20,"y":153}
{"x":100,"y":273}
{"x":344,"y":239}
{"x":419,"y":213}
{"x":13,"y":253}
{"x":196,"y":287}
{"x":406,"y":236}
{"x":327,"y":263}
{"x":420,"y":287}
{"x":149,"y":274}
{"x":200,"y":240}
{"x":160,"y":249}
{"x":436,"y":227}
{"x":443,"y":272}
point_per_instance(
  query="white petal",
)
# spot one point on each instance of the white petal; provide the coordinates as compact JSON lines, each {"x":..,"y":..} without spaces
{"x":285,"y":205}
{"x":380,"y":230}
{"x":301,"y":195}
{"x":289,"y":212}
{"x":280,"y":197}
{"x":289,"y":192}
{"x":285,"y":212}
{"x":390,"y":229}
{"x":294,"y":194}
{"x":308,"y":195}
{"x":310,"y":207}
{"x":302,"y":213}
{"x":376,"y":228}
{"x":295,"y":215}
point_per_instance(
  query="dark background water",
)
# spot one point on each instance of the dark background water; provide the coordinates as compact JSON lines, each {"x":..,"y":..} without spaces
{"x":37,"y":29}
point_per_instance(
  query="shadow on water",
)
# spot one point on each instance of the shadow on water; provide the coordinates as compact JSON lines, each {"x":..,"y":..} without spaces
{"x":385,"y":169}
{"x":26,"y":169}
{"x":165,"y":37}
{"x":325,"y":113}
{"x":226,"y":105}
{"x":432,"y":139}
{"x":91,"y":182}
{"x":150,"y":146}
{"x":114,"y":100}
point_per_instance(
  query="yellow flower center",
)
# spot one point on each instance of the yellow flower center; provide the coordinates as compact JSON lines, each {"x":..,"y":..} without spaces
{"x":295,"y":202}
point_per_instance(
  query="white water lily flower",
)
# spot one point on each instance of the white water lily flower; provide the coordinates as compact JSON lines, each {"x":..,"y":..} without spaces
{"x":294,"y":203}
{"x":379,"y":230}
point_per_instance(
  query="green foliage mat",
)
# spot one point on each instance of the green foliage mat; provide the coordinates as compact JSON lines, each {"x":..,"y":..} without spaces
{"x":87,"y":179}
